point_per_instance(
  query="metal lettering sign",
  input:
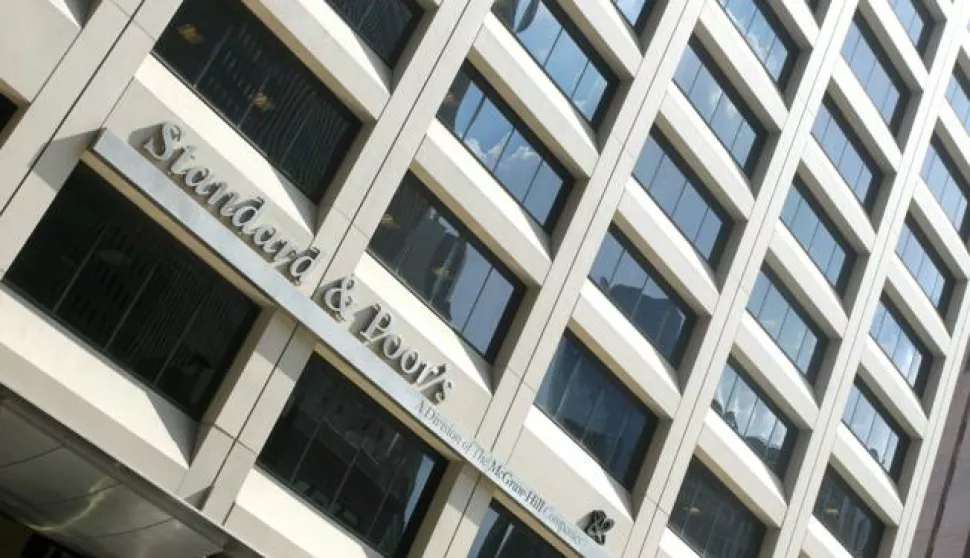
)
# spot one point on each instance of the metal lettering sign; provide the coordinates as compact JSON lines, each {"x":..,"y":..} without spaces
{"x":243,"y":214}
{"x":434,"y":380}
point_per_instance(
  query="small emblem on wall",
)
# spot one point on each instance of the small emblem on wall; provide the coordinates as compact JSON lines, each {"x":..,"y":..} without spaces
{"x":598,"y":526}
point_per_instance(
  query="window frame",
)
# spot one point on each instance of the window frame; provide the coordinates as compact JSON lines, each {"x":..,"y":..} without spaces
{"x":926,"y":17}
{"x":636,"y":27}
{"x":832,"y":476}
{"x":417,"y":13}
{"x":943,"y":156}
{"x":852,"y":137}
{"x":922,"y":375}
{"x":949,"y":279}
{"x":783,"y":35}
{"x":902,"y":448}
{"x":882,"y":58}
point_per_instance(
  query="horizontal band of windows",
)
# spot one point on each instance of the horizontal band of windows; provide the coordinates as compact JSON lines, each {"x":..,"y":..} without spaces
{"x":849,"y":520}
{"x":581,"y":395}
{"x":872,"y":67}
{"x":502,"y":535}
{"x":847,"y":152}
{"x":765,"y":35}
{"x":711,"y":520}
{"x":678,"y":191}
{"x":116,"y":278}
{"x":883,"y":439}
{"x":925,"y":265}
{"x":555,"y":43}
{"x":942,"y":176}
{"x":720,"y":106}
{"x":385,"y":25}
{"x":899,"y":342}
{"x":348,"y":457}
{"x":639,"y":293}
{"x":916,"y":21}
{"x":224,"y":53}
{"x":421,"y":243}
{"x":504,"y":145}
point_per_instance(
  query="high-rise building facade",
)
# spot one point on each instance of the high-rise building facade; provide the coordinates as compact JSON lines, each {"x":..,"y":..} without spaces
{"x":476,"y":278}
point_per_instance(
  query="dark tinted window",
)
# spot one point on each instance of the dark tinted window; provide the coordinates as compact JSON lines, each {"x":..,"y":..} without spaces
{"x":818,"y":236}
{"x":634,"y":11}
{"x":234,"y":62}
{"x":501,"y":535}
{"x":754,"y":418}
{"x":925,"y":265}
{"x":7,"y":110}
{"x":117,"y":279}
{"x":642,"y":296}
{"x":385,"y":25}
{"x":499,"y":140}
{"x":681,"y":195}
{"x":878,"y":433}
{"x":916,"y":20}
{"x":766,"y":36}
{"x":351,"y":459}
{"x":844,"y":148}
{"x":875,"y":72}
{"x":947,"y":184}
{"x":711,"y":520}
{"x":958,"y":94}
{"x":568,"y":59}
{"x":583,"y":397}
{"x":847,"y":518}
{"x":910,"y":356}
{"x":426,"y":247}
{"x":775,"y":309}
{"x":720,"y":106}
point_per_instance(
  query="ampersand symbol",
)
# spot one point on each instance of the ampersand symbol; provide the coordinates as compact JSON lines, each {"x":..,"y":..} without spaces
{"x":340,"y":299}
{"x":598,"y":526}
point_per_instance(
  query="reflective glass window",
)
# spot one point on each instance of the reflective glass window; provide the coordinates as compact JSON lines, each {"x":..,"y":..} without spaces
{"x":754,"y":418}
{"x":923,"y":263}
{"x":242,"y":70}
{"x":385,"y":25}
{"x":561,"y":50}
{"x":476,"y":114}
{"x":901,"y":344}
{"x":678,"y":191}
{"x":871,"y":65}
{"x":639,"y":293}
{"x":7,"y":111}
{"x":766,"y":36}
{"x":582,"y":396}
{"x":958,"y":94}
{"x":916,"y":20}
{"x":634,"y":11}
{"x":431,"y":252}
{"x":720,"y":106}
{"x":846,"y":151}
{"x":818,"y":236}
{"x":883,"y":439}
{"x":711,"y":520}
{"x":849,"y":520}
{"x":502,"y":535}
{"x":119,"y":281}
{"x":347,"y":456}
{"x":774,"y":308}
{"x":946,"y":182}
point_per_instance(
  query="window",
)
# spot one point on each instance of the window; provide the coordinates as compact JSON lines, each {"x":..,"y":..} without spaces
{"x":879,"y":434}
{"x":562,"y":51}
{"x":501,"y":535}
{"x":946,"y":182}
{"x":118,"y":280}
{"x":634,"y":11}
{"x":844,"y":148}
{"x":818,"y":236}
{"x":916,"y":20}
{"x":774,"y":308}
{"x":754,"y":418}
{"x":847,"y":518}
{"x":719,"y":106}
{"x":908,"y":354}
{"x":583,"y":397}
{"x":351,"y":459}
{"x":711,"y":520}
{"x":958,"y":94}
{"x":871,"y":65}
{"x":671,"y":183}
{"x":237,"y":65}
{"x":487,"y":127}
{"x":766,"y":36}
{"x":641,"y":295}
{"x":925,"y":265}
{"x":444,"y":265}
{"x":7,"y":111}
{"x":385,"y":25}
